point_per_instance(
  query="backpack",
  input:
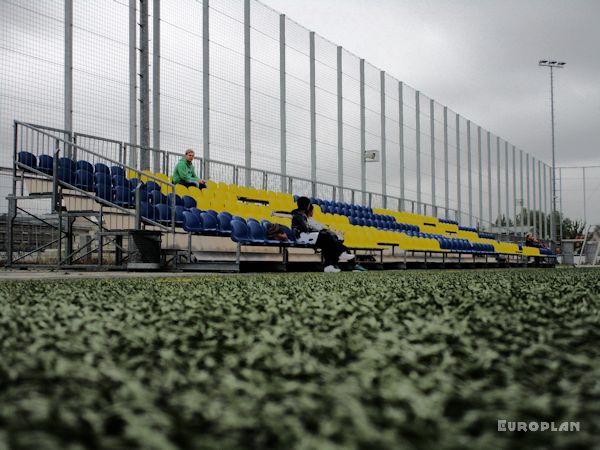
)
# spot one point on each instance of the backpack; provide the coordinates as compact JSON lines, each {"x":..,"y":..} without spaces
{"x":274,"y":232}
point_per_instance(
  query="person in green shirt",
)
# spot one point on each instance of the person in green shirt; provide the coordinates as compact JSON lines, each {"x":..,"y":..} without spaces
{"x":184,"y":172}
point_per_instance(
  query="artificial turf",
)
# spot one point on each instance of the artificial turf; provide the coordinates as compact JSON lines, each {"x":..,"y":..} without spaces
{"x":378,"y":360}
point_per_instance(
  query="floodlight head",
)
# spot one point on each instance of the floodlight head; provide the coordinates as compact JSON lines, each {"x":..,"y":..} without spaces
{"x":543,"y":61}
{"x":553,"y":62}
{"x":562,"y":63}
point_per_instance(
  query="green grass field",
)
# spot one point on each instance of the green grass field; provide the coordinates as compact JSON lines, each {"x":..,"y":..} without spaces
{"x":386,"y":360}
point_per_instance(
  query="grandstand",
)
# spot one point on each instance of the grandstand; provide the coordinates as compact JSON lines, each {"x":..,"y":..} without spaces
{"x":222,"y":227}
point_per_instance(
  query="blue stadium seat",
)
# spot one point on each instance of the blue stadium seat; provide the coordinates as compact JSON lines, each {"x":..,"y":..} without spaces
{"x":28,"y":159}
{"x":133,"y":182}
{"x":102,"y":178}
{"x":101,"y":168}
{"x":162,"y":213}
{"x":191,"y":222}
{"x":257,"y":232}
{"x":152,"y":186}
{"x":224,"y":220}
{"x":122,"y":196}
{"x":104,"y":191}
{"x":66,"y":175}
{"x":84,"y":165}
{"x":196,"y":211}
{"x":178,"y":199}
{"x":209,"y":223}
{"x":189,"y":202}
{"x":84,"y":180}
{"x":179,"y":210}
{"x":117,"y":170}
{"x":119,"y":180}
{"x":67,"y":163}
{"x":240,"y":232}
{"x":147,"y":211}
{"x":157,"y":197}
{"x":46,"y":164}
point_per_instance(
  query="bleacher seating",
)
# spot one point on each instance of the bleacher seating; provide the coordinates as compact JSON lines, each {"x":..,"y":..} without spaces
{"x":244,"y":213}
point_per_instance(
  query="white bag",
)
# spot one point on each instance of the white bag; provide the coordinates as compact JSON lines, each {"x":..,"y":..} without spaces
{"x":308,"y":238}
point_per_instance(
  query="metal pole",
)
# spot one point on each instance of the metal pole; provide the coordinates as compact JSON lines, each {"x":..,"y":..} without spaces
{"x":206,"y":85}
{"x":522,"y":221}
{"x":133,"y":80}
{"x":247,"y":108}
{"x":469,"y":176}
{"x":545,"y":215}
{"x":432,"y":139}
{"x":446,"y":178}
{"x":552,"y":228}
{"x":498,"y":182}
{"x":313,"y":115}
{"x":458,"y":196}
{"x":282,"y":106}
{"x":560,"y":217}
{"x":584,"y":198}
{"x":535,"y":231}
{"x":156,"y":83}
{"x":383,"y":137}
{"x":340,"y":122}
{"x":528,"y":215}
{"x":514,"y":184}
{"x":363,"y":144}
{"x":401,"y":140}
{"x":418,"y":145}
{"x":540,"y":206}
{"x":506,"y":186}
{"x":144,"y":86}
{"x":480,"y":174}
{"x":489,"y":174}
{"x":68,"y":66}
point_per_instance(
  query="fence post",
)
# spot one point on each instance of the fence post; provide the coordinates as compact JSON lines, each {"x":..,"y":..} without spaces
{"x":205,"y":83}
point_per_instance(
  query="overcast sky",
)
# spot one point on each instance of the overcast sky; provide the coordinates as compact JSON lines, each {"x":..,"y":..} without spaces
{"x":480,"y":58}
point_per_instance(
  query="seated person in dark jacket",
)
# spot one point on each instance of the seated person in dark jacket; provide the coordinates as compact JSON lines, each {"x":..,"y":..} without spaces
{"x":333,"y":249}
{"x":530,"y":241}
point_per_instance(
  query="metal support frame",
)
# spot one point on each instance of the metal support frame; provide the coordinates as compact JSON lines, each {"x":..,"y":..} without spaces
{"x":418,"y":147}
{"x":527,"y":172}
{"x":542,"y":220}
{"x":432,"y":139}
{"x":469,"y":175}
{"x":560,"y":198}
{"x":68,"y":67}
{"x":458,"y":169}
{"x":514,"y":187}
{"x":340,"y":121}
{"x":282,"y":103}
{"x":522,"y":216}
{"x":144,"y":86}
{"x":132,"y":79}
{"x":489,"y":174}
{"x":156,"y":82}
{"x":313,"y":114}
{"x":206,"y":83}
{"x":545,"y":202}
{"x":363,"y":140}
{"x":383,"y":139}
{"x":506,"y":187}
{"x":247,"y":97}
{"x":584,"y":197}
{"x":498,"y":184}
{"x":401,"y":141}
{"x":446,"y":178}
{"x":534,"y":198}
{"x":480,"y":174}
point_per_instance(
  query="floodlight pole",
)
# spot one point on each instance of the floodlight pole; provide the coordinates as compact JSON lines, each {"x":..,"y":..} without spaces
{"x":552,"y":65}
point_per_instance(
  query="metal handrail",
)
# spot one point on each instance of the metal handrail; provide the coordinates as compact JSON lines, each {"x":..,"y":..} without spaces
{"x":107,"y":159}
